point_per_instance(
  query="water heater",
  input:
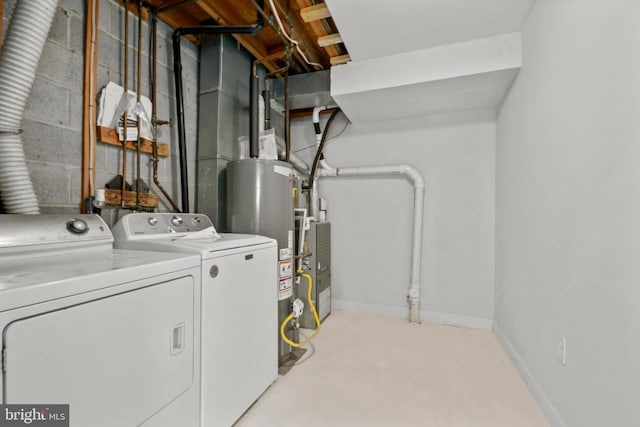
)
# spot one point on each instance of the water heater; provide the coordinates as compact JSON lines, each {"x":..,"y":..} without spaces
{"x":260,"y":201}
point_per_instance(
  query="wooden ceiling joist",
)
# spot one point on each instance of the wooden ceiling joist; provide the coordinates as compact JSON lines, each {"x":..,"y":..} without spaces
{"x":228,"y":16}
{"x":339,"y":60}
{"x":307,"y":21}
{"x":174,"y":7}
{"x":315,"y":27}
{"x":295,"y":28}
{"x":330,"y":39}
{"x":315,"y":12}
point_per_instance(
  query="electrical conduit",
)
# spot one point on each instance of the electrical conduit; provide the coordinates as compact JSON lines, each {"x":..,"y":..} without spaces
{"x":21,"y":53}
{"x":416,"y":179}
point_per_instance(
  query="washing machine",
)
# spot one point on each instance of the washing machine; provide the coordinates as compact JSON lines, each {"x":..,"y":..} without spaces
{"x":239,"y":329}
{"x":111,"y":333}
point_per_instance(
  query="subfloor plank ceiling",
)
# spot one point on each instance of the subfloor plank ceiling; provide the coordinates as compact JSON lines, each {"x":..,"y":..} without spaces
{"x":306,"y":21}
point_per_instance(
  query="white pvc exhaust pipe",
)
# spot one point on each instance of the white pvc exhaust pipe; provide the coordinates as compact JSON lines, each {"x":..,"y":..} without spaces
{"x":21,"y":51}
{"x":414,"y":176}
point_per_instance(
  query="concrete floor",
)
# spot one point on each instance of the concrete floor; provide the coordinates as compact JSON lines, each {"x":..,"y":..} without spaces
{"x":364,"y":370}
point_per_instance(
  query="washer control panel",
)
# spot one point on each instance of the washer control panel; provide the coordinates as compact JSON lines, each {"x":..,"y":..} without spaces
{"x":143,"y":224}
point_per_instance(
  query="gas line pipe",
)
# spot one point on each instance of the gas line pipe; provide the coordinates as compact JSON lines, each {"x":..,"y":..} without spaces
{"x":298,"y":307}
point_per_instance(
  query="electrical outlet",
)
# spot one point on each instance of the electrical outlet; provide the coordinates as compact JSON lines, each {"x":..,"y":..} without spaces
{"x":562,"y":351}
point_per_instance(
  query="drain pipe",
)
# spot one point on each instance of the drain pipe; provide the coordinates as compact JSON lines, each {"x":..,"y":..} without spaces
{"x":21,"y":53}
{"x":417,"y":181}
{"x":177,"y":69}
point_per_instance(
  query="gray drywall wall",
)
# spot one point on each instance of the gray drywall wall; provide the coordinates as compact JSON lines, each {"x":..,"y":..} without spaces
{"x":53,"y":119}
{"x":372,"y":217}
{"x":568,"y":211}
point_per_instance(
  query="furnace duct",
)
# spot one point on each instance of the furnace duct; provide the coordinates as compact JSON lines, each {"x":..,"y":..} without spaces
{"x":21,"y":53}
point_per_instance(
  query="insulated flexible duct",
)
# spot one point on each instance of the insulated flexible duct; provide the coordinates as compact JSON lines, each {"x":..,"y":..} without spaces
{"x":21,"y":53}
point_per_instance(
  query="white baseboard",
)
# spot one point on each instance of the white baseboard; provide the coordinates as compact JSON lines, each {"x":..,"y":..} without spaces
{"x":403,"y":313}
{"x":547,"y":407}
{"x":457,"y":320}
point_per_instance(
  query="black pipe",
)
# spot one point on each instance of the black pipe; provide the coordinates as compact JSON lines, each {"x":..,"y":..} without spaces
{"x":266,"y":95}
{"x":254,"y":115}
{"x":323,"y":142}
{"x":177,"y":69}
{"x":287,"y":119}
{"x":182,"y":138}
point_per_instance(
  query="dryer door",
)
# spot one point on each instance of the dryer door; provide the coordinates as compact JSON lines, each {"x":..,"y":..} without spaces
{"x":116,"y":360}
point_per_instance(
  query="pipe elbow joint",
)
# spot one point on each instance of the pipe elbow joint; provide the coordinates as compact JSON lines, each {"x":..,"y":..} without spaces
{"x":414,"y":175}
{"x":414,"y":293}
{"x":316,"y":113}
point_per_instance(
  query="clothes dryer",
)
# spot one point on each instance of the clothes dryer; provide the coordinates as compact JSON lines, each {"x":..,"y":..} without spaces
{"x":112,"y":333}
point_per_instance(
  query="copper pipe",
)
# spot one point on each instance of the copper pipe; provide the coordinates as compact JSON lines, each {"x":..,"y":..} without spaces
{"x":126,"y":94}
{"x":154,"y":118}
{"x":138,"y":90}
{"x":88,"y":106}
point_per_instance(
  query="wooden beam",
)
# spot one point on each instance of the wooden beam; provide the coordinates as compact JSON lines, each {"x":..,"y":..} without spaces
{"x":223,"y":16}
{"x":274,"y":55}
{"x":331,"y":39}
{"x":109,"y":136}
{"x":296,"y":29}
{"x":174,"y":7}
{"x":114,"y":198}
{"x":211,"y":11}
{"x":315,"y":12}
{"x":316,"y":27}
{"x":339,"y":60}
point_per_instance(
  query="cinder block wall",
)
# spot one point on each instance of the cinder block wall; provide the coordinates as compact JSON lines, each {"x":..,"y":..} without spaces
{"x":53,"y":120}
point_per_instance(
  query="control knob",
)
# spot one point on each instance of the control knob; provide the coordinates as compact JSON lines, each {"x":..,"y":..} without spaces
{"x":176,"y":220}
{"x":152,"y":221}
{"x":77,"y":226}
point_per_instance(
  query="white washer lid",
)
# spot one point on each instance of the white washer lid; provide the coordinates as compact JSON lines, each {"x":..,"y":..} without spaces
{"x":206,"y":247}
